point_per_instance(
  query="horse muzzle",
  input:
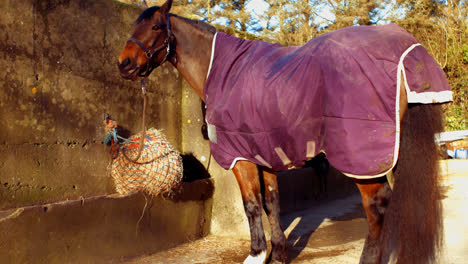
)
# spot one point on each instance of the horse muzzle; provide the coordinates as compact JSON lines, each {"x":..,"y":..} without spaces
{"x":128,"y":70}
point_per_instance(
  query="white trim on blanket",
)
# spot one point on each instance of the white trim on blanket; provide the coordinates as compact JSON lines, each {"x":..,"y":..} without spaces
{"x":413,"y":97}
{"x":235,"y":161}
{"x":430,"y":97}
{"x":212,"y":55}
{"x":400,"y":71}
{"x":424,"y":97}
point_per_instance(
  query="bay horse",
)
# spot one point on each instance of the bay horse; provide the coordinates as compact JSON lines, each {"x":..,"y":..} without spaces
{"x":404,"y":218}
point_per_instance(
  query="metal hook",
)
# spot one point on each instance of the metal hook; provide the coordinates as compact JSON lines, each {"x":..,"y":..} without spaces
{"x":143,"y":85}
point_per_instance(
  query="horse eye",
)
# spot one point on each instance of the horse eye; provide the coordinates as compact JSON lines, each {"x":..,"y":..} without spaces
{"x":156,"y":27}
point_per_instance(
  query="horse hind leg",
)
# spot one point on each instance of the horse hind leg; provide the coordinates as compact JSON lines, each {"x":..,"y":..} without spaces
{"x":271,"y":205}
{"x":375,"y":195}
{"x":249,"y":183}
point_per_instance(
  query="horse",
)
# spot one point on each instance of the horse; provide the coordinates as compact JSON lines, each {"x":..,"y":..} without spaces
{"x":403,"y":212}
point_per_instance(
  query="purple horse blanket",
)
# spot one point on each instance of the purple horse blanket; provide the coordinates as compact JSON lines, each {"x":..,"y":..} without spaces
{"x":339,"y":94}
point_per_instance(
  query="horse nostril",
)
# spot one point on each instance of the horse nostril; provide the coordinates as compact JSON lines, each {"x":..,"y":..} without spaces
{"x":125,"y":62}
{"x":125,"y":65}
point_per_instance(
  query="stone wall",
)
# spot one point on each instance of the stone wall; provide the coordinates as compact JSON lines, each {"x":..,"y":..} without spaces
{"x":58,"y":77}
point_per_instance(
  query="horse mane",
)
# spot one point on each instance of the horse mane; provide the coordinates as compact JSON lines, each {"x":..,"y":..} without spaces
{"x":149,"y":12}
{"x":198,"y":24}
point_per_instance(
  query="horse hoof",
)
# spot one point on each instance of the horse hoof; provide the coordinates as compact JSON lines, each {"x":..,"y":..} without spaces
{"x":259,"y":259}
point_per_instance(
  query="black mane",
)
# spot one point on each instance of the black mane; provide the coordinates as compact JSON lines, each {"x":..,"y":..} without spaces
{"x":147,"y":14}
{"x":199,"y":24}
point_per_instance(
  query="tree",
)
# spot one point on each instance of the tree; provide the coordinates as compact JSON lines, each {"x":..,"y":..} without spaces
{"x":234,"y":14}
{"x":442,"y":27}
{"x":356,"y":12}
{"x":290,"y":22}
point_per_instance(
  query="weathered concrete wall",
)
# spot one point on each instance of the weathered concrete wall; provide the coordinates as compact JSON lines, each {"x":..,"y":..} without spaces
{"x":58,"y":77}
{"x":105,"y":229}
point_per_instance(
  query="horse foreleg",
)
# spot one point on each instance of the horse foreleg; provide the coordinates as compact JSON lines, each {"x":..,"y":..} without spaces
{"x":249,"y":183}
{"x":271,"y":205}
{"x":375,"y":197}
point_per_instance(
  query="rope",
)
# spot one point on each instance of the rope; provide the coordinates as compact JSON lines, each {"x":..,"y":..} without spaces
{"x":158,"y":176}
{"x":141,"y":217}
{"x":125,"y":140}
{"x":115,"y":149}
{"x":209,"y":162}
{"x":142,"y":139}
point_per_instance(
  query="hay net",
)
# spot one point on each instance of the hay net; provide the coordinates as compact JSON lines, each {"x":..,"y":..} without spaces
{"x":157,"y":171}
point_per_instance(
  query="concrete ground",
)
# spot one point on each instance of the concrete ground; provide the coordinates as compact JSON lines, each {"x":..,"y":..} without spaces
{"x":333,"y":232}
{"x":456,"y":212}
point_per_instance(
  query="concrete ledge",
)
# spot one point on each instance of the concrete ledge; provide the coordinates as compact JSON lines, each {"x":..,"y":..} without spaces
{"x":104,"y":229}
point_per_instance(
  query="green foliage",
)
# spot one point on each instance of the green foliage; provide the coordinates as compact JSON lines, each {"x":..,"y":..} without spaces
{"x":465,"y":52}
{"x":456,"y":118}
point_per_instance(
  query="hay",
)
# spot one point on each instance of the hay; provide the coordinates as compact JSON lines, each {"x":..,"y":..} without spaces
{"x":157,"y":171}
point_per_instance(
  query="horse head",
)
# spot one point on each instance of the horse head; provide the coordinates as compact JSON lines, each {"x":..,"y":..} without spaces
{"x":150,"y":44}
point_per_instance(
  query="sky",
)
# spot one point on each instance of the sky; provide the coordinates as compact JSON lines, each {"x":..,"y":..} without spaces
{"x":258,"y":7}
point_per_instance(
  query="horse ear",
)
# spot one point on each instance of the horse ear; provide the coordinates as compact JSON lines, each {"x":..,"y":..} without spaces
{"x":166,"y":7}
{"x":144,"y":5}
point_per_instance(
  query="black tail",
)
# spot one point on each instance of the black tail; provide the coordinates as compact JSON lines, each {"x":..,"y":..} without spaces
{"x":413,"y":229}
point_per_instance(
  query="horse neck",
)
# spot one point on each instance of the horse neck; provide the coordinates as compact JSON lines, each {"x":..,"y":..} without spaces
{"x":193,"y":52}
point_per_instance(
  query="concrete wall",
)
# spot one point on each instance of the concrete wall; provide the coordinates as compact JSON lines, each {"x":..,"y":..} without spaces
{"x":58,"y":77}
{"x":103,"y":229}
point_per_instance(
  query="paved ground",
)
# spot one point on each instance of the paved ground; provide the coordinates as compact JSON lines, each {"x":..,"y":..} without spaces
{"x":456,"y":218}
{"x":331,"y":233}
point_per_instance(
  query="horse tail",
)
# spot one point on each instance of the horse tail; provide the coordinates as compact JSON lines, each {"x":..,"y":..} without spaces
{"x":412,"y":229}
